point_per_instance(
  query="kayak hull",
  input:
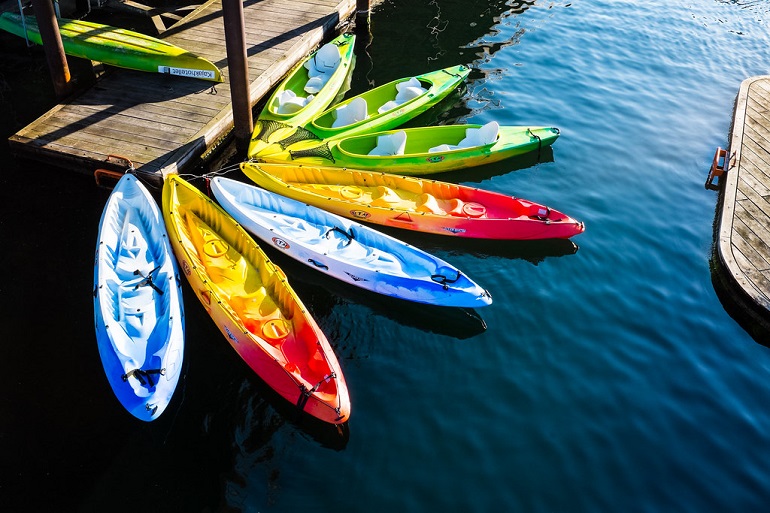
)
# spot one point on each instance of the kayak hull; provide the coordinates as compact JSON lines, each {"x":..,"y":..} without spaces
{"x":138,"y":308}
{"x":417,"y":159}
{"x":273,"y":124}
{"x":437,"y":85}
{"x":415,"y":204}
{"x":117,"y":47}
{"x":253,"y":305}
{"x":347,"y":250}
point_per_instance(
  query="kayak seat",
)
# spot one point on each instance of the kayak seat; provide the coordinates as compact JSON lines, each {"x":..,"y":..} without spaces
{"x":486,"y":134}
{"x":391,"y":144}
{"x":441,"y":148}
{"x":321,"y":67}
{"x":136,"y":310}
{"x":289,"y":103}
{"x":253,"y":307}
{"x":134,"y":301}
{"x":384,"y":196}
{"x":407,"y":90}
{"x":301,"y":230}
{"x":428,"y":203}
{"x":482,"y":136}
{"x":460,"y":208}
{"x":353,"y":112}
{"x":220,"y":272}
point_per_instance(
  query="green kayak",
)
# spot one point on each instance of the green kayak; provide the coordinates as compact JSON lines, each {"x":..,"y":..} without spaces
{"x":382,"y":108}
{"x":117,"y":47}
{"x":420,"y":151}
{"x":315,"y":83}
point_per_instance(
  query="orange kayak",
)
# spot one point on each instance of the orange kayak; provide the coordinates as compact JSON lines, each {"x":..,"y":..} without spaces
{"x":415,"y":203}
{"x":252,"y":304}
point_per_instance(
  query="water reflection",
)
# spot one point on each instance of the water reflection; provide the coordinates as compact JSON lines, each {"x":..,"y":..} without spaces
{"x":323,"y":294}
{"x":752,"y":318}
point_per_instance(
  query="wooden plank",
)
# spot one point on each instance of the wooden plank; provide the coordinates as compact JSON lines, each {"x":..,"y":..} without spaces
{"x":744,"y":224}
{"x":165,"y":123}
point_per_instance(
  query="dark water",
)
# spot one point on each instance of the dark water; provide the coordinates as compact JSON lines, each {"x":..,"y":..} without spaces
{"x":606,"y":376}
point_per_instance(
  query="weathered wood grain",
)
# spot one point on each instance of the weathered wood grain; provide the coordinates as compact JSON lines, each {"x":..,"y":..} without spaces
{"x":744,"y":228}
{"x":162,"y":123}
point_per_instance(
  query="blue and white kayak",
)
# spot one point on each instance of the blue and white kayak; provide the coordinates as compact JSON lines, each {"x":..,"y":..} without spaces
{"x":347,"y":250}
{"x":138,"y":309}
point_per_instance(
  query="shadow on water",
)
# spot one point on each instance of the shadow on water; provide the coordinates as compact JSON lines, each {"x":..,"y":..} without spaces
{"x":459,"y":323}
{"x":752,"y":318}
{"x":533,"y":251}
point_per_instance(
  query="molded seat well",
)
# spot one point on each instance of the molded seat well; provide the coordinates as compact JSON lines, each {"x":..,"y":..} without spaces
{"x":353,"y":112}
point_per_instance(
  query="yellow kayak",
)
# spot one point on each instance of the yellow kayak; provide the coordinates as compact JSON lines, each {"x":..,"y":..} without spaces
{"x":253,"y":305}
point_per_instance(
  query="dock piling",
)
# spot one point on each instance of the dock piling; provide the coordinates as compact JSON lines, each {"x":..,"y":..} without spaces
{"x":235,"y":42}
{"x":53,"y":47}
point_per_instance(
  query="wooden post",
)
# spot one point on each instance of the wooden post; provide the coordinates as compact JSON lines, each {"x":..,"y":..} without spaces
{"x":238,"y":72}
{"x":53,"y":47}
{"x":363,"y":10}
{"x":363,"y":35}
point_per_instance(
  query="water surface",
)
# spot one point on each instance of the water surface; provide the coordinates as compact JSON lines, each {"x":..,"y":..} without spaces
{"x":606,"y":375}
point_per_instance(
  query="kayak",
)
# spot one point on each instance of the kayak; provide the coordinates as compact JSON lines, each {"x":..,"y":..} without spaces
{"x":414,"y":203}
{"x":138,"y":308}
{"x":117,"y":47}
{"x":422,"y":150}
{"x":313,"y":85}
{"x":347,"y":250}
{"x":382,"y":108}
{"x":253,"y":304}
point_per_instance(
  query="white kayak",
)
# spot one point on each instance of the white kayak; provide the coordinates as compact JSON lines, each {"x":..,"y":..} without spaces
{"x":138,"y":309}
{"x":347,"y":250}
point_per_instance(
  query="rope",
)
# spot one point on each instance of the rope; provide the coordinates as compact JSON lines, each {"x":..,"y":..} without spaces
{"x":305,"y":393}
{"x":539,"y":142}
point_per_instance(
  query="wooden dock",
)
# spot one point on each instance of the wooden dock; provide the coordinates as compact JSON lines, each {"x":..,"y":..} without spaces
{"x":743,"y":244}
{"x":162,"y":123}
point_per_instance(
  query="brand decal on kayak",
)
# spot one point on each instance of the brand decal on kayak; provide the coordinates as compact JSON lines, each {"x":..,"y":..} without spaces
{"x":355,"y":278}
{"x":187,"y":72}
{"x":455,"y":230}
{"x":360,"y":214}
{"x":281,"y":243}
{"x":434,"y":159}
{"x":186,"y":267}
{"x":230,"y":335}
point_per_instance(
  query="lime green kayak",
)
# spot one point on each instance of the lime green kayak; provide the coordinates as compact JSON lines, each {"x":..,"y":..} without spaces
{"x":315,"y":83}
{"x":420,"y":151}
{"x":382,"y":108}
{"x":117,"y":47}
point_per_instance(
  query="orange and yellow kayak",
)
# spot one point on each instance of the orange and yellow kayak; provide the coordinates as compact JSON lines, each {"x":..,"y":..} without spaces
{"x":252,"y":304}
{"x":415,"y":203}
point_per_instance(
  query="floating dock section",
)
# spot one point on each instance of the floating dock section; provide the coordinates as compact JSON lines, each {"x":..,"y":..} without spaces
{"x":163,"y":123}
{"x":743,"y":237}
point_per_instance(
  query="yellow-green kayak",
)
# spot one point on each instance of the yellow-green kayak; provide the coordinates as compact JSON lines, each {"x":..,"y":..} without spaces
{"x":420,"y":151}
{"x":117,"y":47}
{"x":382,"y":108}
{"x":315,"y":83}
